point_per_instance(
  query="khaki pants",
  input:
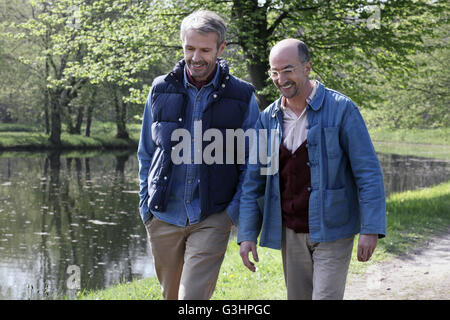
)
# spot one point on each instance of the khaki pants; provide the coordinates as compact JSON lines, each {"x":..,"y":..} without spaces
{"x":188,"y":259}
{"x":316,"y":270}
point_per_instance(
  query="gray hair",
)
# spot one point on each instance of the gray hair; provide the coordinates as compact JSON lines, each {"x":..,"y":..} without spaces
{"x":303,"y":52}
{"x":204,"y":21}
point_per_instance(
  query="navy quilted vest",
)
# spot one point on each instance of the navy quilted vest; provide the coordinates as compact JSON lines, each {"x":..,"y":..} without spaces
{"x":226,"y":108}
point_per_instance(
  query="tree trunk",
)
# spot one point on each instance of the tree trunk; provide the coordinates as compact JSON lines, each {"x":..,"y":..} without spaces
{"x":46,"y":100}
{"x":46,"y":114}
{"x":55,"y":120}
{"x":121,"y":116}
{"x":258,"y":74}
{"x":89,"y":111}
{"x":87,"y":130}
{"x":68,"y":117}
{"x":79,"y":120}
{"x":254,"y":36}
{"x":68,"y":96}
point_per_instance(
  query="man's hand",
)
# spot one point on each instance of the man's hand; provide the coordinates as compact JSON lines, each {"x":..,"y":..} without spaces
{"x":366,"y":246}
{"x":246,"y":247}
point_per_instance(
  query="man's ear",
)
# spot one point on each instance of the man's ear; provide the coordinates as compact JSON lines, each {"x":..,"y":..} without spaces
{"x":221,"y":48}
{"x":308,"y":67}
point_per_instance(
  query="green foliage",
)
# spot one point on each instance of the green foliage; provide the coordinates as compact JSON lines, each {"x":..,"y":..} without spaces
{"x":122,"y":46}
{"x":355,"y":43}
{"x":423,"y":101}
{"x":387,"y":55}
{"x":19,"y":82}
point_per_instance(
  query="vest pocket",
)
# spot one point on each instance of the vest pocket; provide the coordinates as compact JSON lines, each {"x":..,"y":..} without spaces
{"x":336,"y":209}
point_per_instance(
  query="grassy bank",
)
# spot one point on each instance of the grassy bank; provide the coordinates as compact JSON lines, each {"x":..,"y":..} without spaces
{"x":19,"y":137}
{"x":412,"y":217}
{"x":433,"y":143}
{"x":429,"y":143}
{"x":440,"y":136}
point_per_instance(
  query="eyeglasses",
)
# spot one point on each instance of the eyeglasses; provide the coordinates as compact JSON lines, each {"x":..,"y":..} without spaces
{"x":287,"y":71}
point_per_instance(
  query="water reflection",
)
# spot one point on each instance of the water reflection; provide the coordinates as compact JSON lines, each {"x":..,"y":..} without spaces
{"x":60,"y":212}
{"x":57,"y":212}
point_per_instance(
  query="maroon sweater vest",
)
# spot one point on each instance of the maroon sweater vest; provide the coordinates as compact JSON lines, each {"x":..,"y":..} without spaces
{"x":295,"y":186}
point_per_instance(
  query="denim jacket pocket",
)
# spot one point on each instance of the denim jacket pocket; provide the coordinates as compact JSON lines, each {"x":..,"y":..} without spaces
{"x":336,"y":208}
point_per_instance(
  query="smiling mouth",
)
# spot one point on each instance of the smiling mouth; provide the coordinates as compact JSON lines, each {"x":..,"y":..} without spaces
{"x":287,"y":85}
{"x":197,"y":65}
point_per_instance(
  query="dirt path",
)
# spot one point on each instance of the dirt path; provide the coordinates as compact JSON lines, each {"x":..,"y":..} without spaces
{"x":422,"y":275}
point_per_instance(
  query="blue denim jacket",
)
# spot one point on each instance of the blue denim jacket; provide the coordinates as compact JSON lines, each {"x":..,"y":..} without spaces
{"x":184,"y":201}
{"x":347,"y":190}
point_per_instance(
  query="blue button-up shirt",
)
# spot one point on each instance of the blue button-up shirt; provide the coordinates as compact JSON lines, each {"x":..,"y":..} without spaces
{"x":184,"y":199}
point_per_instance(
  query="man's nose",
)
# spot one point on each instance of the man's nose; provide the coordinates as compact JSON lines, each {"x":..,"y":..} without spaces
{"x":196,"y":55}
{"x":282,"y":77}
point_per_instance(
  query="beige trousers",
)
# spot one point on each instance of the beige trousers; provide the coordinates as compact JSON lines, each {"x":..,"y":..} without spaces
{"x":188,"y":259}
{"x":315,"y":270}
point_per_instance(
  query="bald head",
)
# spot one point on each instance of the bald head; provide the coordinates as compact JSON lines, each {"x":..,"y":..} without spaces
{"x":289,"y":70}
{"x":289,"y":46}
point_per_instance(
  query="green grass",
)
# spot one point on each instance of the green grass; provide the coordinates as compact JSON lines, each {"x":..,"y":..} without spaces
{"x":17,"y":127}
{"x":235,"y":281}
{"x":103,"y":136}
{"x":417,"y":150}
{"x":431,"y":143}
{"x":412,"y":217}
{"x":439,"y":136}
{"x":23,"y":140}
{"x":428,"y":143}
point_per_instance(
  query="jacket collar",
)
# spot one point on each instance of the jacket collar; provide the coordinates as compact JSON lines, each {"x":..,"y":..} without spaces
{"x":317,"y":101}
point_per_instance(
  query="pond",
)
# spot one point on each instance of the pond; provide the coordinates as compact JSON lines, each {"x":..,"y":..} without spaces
{"x":70,"y":222}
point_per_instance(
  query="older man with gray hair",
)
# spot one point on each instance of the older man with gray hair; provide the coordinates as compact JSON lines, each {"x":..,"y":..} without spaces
{"x":188,"y":209}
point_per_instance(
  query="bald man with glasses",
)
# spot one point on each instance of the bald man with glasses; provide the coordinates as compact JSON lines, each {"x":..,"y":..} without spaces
{"x":329,"y":186}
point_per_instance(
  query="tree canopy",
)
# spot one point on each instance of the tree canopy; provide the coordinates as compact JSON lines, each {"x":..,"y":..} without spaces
{"x":116,"y":47}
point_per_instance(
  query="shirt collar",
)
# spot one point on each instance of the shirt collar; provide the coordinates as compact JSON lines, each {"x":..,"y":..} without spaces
{"x":308,"y":100}
{"x":214,"y":80}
